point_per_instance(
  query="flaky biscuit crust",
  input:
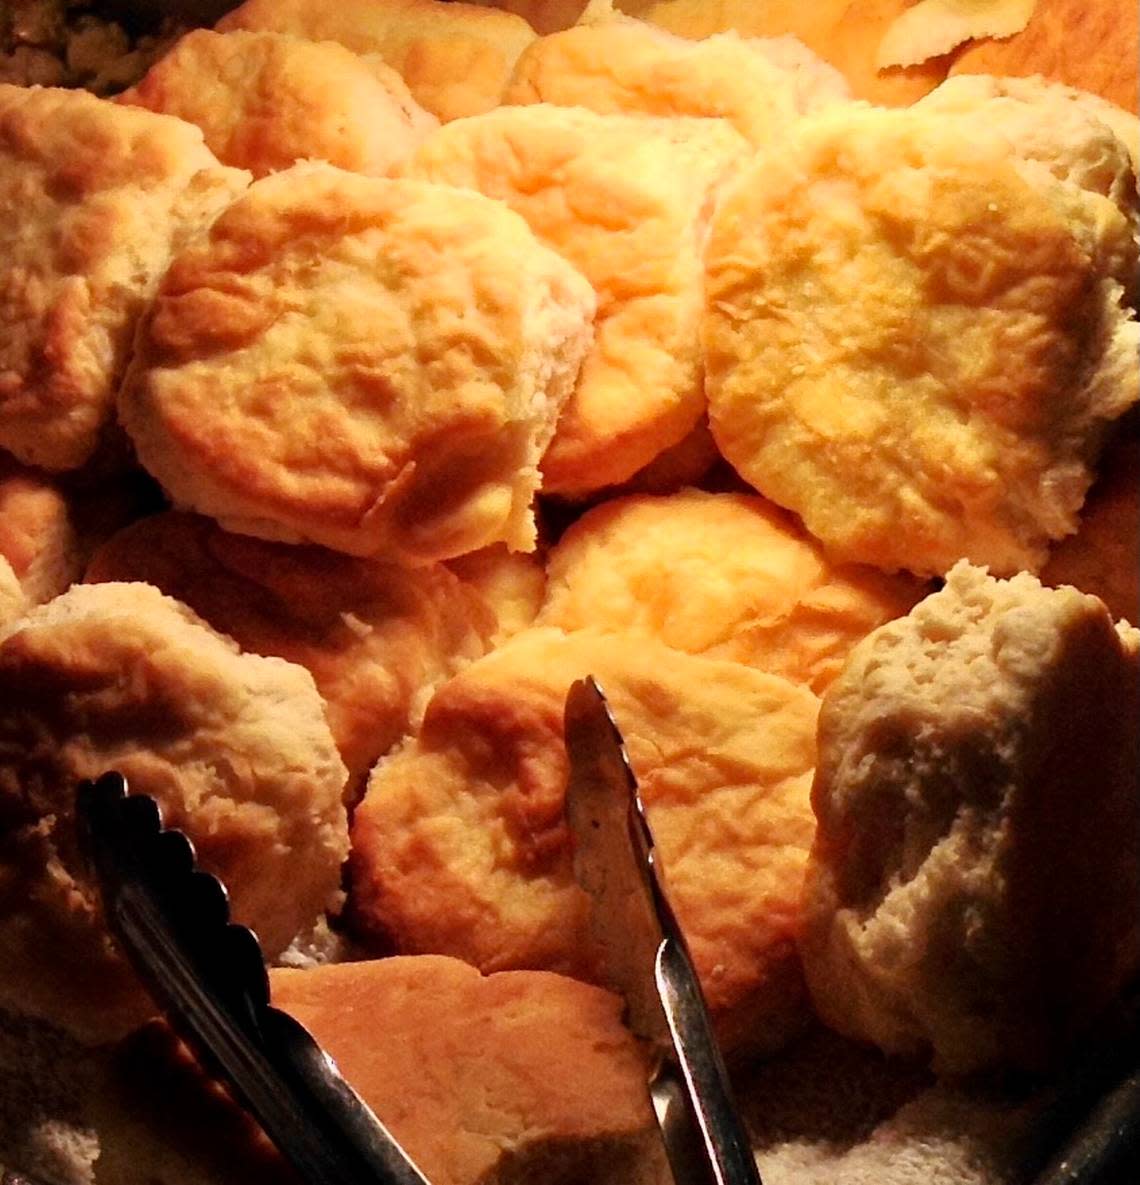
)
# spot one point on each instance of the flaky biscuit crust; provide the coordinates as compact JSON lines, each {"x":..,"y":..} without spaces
{"x":368,"y":364}
{"x":266,"y":100}
{"x":729,"y":576}
{"x":626,"y":200}
{"x":93,"y":198}
{"x":456,"y":58}
{"x":915,"y":341}
{"x":460,"y":846}
{"x":374,"y":636}
{"x":486,"y":1075}
{"x":234,"y":747}
{"x":973,"y":882}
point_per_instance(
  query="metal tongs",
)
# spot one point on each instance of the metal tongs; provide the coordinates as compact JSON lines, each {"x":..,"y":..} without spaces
{"x":645,"y":951}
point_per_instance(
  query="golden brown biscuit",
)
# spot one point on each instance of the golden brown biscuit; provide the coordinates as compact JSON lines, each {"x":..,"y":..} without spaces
{"x":510,"y":584}
{"x":466,"y":1082}
{"x":625,"y":200}
{"x":266,"y":100}
{"x":846,"y":33}
{"x":375,"y":637}
{"x":1102,"y":557}
{"x":915,"y":340}
{"x":93,"y":197}
{"x":37,"y":535}
{"x":234,"y":747}
{"x":728,"y":576}
{"x":460,"y":846}
{"x":626,"y":67}
{"x":974,"y":879}
{"x":372,"y":365}
{"x":455,"y":58}
{"x":1090,"y":44}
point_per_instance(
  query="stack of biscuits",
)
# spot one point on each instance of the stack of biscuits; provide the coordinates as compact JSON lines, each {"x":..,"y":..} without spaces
{"x":370,"y":372}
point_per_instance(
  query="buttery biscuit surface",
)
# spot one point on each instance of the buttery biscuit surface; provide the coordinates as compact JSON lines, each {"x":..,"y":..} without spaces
{"x":368,"y":364}
{"x":93,"y":199}
{"x":460,"y":846}
{"x":916,"y":341}
{"x":266,"y":100}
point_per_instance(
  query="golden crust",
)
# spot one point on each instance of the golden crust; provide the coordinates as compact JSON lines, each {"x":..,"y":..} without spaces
{"x":1101,"y":557}
{"x":466,"y":1082}
{"x":974,"y":878}
{"x":915,"y":341}
{"x":460,"y":845}
{"x":266,"y":100}
{"x":37,"y":536}
{"x":510,"y":584}
{"x":371,"y":365}
{"x":375,"y":637}
{"x":1089,"y":44}
{"x":729,"y":576}
{"x":92,"y":199}
{"x":626,"y":67}
{"x":234,"y":747}
{"x":626,"y":201}
{"x":455,"y":58}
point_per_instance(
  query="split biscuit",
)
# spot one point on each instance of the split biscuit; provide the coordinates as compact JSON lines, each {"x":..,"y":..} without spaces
{"x":93,"y":199}
{"x":627,"y":67}
{"x":974,"y":881}
{"x":626,"y":200}
{"x":518,"y":1076}
{"x":455,"y":58}
{"x":375,"y":637}
{"x":234,"y":748}
{"x":1089,"y":44}
{"x":729,"y":576}
{"x":1101,"y":558}
{"x":460,"y":846}
{"x":916,"y":341}
{"x":372,"y":365}
{"x":267,"y":100}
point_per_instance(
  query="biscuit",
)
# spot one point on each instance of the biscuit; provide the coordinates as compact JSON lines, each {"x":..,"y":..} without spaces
{"x":234,"y":747}
{"x":93,"y":197}
{"x":13,"y":599}
{"x":1101,"y":557}
{"x":466,"y":1085}
{"x":915,"y":341}
{"x":728,"y":576}
{"x":626,"y":201}
{"x":974,"y":880}
{"x":627,"y":67}
{"x":372,"y":365}
{"x":1089,"y":44}
{"x":510,"y":584}
{"x":266,"y":100}
{"x":460,"y":847}
{"x":375,"y":637}
{"x":455,"y":58}
{"x":37,"y":535}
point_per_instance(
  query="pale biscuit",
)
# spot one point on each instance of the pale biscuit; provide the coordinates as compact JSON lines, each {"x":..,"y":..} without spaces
{"x":233,"y":746}
{"x":37,"y":535}
{"x":456,"y":58}
{"x":1089,"y":44}
{"x":511,"y":584}
{"x":627,"y":67}
{"x":1102,"y":557}
{"x":368,"y":364}
{"x":460,"y":846}
{"x":915,"y":340}
{"x":266,"y":100}
{"x":974,"y":881}
{"x":375,"y":637}
{"x":93,"y":198}
{"x":466,"y":1084}
{"x":626,"y":200}
{"x":729,"y":576}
